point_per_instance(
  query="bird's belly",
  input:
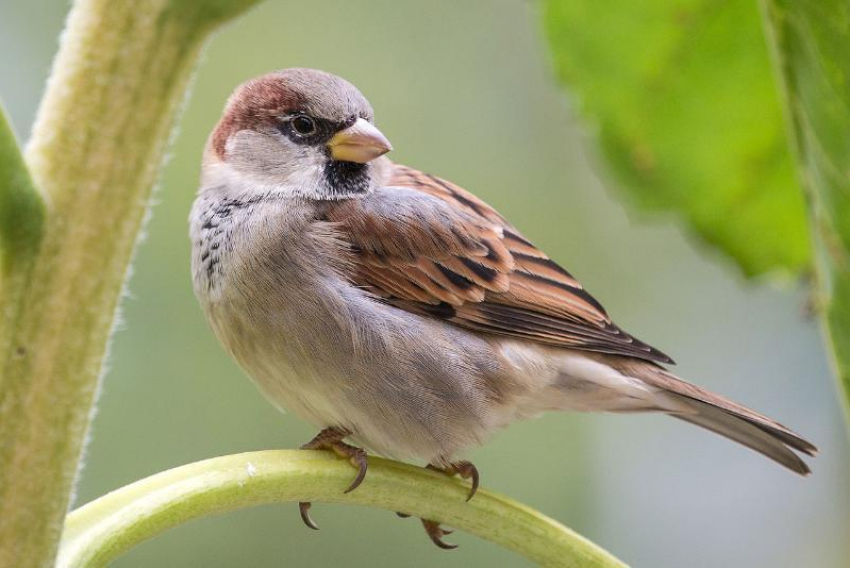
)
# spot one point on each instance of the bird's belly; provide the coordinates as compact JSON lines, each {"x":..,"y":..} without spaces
{"x":271,"y":349}
{"x":406,"y":385}
{"x":394,"y":379}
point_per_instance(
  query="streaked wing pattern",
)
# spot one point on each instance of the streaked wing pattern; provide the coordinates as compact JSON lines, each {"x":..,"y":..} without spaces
{"x":427,"y":246}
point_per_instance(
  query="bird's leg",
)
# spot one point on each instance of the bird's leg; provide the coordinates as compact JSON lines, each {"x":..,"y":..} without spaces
{"x":464,"y":469}
{"x":332,"y":439}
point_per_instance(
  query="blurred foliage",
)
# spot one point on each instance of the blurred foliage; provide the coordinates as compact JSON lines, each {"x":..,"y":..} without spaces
{"x":811,"y":41}
{"x":689,"y":118}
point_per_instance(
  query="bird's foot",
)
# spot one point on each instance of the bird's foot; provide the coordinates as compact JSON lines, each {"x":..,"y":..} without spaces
{"x":436,"y":534}
{"x":465,"y":470}
{"x":434,"y":531}
{"x":332,"y":439}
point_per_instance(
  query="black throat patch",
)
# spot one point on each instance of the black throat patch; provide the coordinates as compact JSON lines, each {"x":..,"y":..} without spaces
{"x":347,"y":178}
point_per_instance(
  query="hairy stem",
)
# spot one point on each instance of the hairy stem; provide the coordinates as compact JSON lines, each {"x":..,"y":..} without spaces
{"x":97,"y":145}
{"x":98,"y":532}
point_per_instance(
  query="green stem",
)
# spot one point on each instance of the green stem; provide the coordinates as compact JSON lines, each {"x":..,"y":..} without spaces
{"x":98,"y":532}
{"x":97,"y":145}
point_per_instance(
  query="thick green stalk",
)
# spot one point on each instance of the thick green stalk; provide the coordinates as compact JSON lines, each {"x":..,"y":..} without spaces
{"x":810,"y":41}
{"x":98,"y":532}
{"x":97,"y":145}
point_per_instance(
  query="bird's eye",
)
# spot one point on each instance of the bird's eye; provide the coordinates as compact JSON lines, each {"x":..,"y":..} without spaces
{"x":303,"y":125}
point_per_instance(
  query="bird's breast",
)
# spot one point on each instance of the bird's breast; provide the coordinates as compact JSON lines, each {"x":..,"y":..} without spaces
{"x":269,"y":278}
{"x":264,"y":270}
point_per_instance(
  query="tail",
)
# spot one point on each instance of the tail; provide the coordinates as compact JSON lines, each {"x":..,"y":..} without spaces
{"x":713,"y":412}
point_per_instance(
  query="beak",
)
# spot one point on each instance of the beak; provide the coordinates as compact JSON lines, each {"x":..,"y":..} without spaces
{"x":361,"y":142}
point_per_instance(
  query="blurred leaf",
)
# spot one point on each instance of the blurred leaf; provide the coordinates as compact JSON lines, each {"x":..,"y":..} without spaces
{"x":689,"y":117}
{"x":21,"y":207}
{"x":811,"y":43}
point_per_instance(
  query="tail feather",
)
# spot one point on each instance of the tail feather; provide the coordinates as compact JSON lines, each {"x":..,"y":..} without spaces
{"x":766,"y":442}
{"x":722,"y":416}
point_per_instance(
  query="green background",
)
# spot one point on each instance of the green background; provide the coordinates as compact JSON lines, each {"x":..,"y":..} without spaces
{"x":465,"y":90}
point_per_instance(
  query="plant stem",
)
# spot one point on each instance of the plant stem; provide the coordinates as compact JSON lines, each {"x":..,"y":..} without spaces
{"x":97,"y":145}
{"x":98,"y":532}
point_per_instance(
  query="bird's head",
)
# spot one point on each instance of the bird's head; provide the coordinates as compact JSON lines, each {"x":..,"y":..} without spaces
{"x":301,"y":132}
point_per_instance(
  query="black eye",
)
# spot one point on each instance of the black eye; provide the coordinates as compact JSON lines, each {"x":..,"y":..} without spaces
{"x":303,"y":125}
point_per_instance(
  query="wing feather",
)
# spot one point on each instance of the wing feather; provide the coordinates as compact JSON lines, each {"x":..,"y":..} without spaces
{"x":427,"y":246}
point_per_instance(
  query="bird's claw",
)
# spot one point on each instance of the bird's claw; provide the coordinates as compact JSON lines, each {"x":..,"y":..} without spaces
{"x":436,"y":534}
{"x":468,"y":471}
{"x":465,"y":470}
{"x":357,"y":457}
{"x":304,"y":507}
{"x":332,"y":439}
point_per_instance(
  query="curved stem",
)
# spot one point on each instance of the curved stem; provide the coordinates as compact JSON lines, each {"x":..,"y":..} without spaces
{"x":98,"y":532}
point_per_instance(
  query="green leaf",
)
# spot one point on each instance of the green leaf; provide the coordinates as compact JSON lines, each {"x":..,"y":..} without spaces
{"x":21,"y":207}
{"x":689,"y":118}
{"x":811,"y":47}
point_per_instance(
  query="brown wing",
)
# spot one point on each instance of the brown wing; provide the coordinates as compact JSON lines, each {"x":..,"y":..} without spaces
{"x":427,"y":246}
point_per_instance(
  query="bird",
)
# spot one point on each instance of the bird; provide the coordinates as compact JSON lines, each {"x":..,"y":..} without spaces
{"x":396,"y":312}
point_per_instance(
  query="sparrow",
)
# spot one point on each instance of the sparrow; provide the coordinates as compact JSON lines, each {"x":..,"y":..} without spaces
{"x":394,"y":310}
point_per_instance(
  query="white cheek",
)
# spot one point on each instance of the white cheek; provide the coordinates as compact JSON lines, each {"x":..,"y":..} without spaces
{"x":271,"y":163}
{"x":309,"y":174}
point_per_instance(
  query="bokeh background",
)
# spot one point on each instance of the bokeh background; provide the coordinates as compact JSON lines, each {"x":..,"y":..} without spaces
{"x":465,"y":90}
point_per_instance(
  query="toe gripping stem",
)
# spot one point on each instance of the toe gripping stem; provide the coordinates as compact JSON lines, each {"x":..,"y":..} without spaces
{"x":332,"y":439}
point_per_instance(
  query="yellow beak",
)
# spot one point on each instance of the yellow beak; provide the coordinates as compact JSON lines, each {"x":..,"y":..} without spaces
{"x":361,"y":142}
